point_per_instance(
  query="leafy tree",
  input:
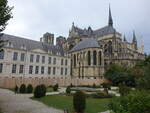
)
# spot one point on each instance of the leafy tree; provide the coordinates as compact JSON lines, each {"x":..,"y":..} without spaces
{"x":5,"y":14}
{"x":134,"y":102}
{"x":29,"y":88}
{"x":118,"y":74}
{"x":123,"y":89}
{"x":79,"y":101}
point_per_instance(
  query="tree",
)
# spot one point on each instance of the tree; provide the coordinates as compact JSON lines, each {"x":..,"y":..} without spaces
{"x":134,"y":102}
{"x":79,"y":102}
{"x":5,"y":14}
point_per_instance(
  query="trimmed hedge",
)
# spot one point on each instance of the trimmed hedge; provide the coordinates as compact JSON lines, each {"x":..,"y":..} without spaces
{"x":29,"y":88}
{"x":79,"y":101}
{"x":22,"y":88}
{"x":40,"y":91}
{"x":55,"y":87}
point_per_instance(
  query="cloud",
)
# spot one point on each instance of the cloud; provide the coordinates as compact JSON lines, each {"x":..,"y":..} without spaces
{"x":32,"y":18}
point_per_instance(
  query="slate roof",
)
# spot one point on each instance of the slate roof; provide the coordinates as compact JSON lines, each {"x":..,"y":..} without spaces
{"x":95,"y":33}
{"x":89,"y":43}
{"x":19,"y":42}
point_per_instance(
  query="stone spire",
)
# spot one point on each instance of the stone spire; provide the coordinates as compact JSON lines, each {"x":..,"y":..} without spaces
{"x":124,"y":39}
{"x":110,"y":21}
{"x":134,"y":38}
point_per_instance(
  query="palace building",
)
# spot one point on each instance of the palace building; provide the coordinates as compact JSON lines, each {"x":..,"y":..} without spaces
{"x":86,"y":53}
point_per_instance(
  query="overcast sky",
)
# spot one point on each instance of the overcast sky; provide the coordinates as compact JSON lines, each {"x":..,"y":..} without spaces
{"x":32,"y":18}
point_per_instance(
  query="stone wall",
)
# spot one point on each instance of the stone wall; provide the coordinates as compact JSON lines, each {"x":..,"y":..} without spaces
{"x":11,"y":82}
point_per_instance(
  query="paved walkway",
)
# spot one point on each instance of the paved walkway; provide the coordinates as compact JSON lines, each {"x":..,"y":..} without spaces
{"x":11,"y":103}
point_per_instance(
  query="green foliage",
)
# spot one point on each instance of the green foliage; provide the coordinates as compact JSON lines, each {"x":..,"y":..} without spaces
{"x":106,"y":85}
{"x":5,"y":14}
{"x":22,"y":88}
{"x":102,"y":94}
{"x":40,"y":91}
{"x":123,"y":89}
{"x":29,"y":88}
{"x":79,"y":102}
{"x":55,"y":87}
{"x":134,"y":102}
{"x":16,"y":89}
{"x":68,"y":90}
{"x":118,"y":74}
{"x":143,"y":81}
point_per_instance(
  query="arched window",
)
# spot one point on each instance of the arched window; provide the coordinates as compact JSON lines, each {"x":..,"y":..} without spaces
{"x":89,"y":58}
{"x":100,"y":58}
{"x":94,"y":57}
{"x":74,"y":60}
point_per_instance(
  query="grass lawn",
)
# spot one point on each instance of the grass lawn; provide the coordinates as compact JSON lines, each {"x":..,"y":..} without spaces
{"x":62,"y":102}
{"x":49,"y":89}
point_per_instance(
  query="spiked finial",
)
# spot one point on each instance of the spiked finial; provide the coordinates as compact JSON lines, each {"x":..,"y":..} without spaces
{"x":124,"y":38}
{"x":134,"y":37}
{"x":110,"y":21}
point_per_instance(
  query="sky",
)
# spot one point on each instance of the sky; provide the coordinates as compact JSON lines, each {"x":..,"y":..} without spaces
{"x":32,"y":18}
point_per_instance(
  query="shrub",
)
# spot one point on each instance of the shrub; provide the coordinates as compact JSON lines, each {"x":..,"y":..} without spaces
{"x":79,"y":101}
{"x":16,"y":89}
{"x":55,"y":87}
{"x":71,"y":85}
{"x":29,"y":88}
{"x":101,"y":94}
{"x":40,"y":91}
{"x":68,"y":90}
{"x":134,"y":102}
{"x":94,"y":86}
{"x":22,"y":88}
{"x":123,"y":89}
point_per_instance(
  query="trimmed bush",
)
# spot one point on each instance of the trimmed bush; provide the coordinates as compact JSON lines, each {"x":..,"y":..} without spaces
{"x":29,"y":88}
{"x":16,"y":89}
{"x":102,"y":94}
{"x":22,"y":88}
{"x":55,"y":87}
{"x":40,"y":91}
{"x":68,"y":90}
{"x":79,"y":102}
{"x":94,"y":86}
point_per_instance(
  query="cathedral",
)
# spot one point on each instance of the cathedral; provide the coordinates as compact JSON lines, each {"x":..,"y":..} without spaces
{"x":93,"y":51}
{"x":81,"y":59}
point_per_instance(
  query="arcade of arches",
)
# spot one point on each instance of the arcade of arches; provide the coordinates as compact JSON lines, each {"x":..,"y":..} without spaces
{"x":87,"y":63}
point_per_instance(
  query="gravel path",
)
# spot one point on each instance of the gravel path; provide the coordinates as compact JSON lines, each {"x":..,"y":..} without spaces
{"x":11,"y":103}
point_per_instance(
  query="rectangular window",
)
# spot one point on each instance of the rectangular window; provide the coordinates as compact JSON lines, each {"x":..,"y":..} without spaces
{"x":21,"y":69}
{"x":62,"y":61}
{"x":1,"y":68}
{"x":31,"y":57}
{"x":43,"y":59}
{"x":30,"y":69}
{"x":49,"y":60}
{"x":66,"y":61}
{"x":54,"y":61}
{"x":37,"y":58}
{"x":2,"y":55}
{"x":22,"y":57}
{"x":61,"y":71}
{"x":49,"y":70}
{"x":54,"y":70}
{"x":15,"y":56}
{"x":14,"y":67}
{"x":36,"y":69}
{"x":42,"y":70}
{"x":65,"y":71}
